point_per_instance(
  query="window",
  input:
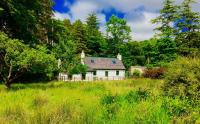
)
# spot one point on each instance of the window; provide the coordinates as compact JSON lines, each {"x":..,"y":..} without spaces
{"x":92,"y":60}
{"x":94,"y":73}
{"x":113,"y":61}
{"x":117,"y":73}
{"x":106,"y":73}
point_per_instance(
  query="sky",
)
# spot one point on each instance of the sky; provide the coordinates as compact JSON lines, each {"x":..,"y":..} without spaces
{"x":138,"y":13}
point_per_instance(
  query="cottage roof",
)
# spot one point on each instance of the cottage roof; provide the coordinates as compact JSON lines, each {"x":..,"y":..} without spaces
{"x":95,"y":63}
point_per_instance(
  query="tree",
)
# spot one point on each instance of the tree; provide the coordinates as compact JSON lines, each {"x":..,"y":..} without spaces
{"x":133,"y":54}
{"x":167,"y":51}
{"x":188,"y":27}
{"x":166,"y":45}
{"x":17,"y":58}
{"x":79,"y":36}
{"x":96,"y":43}
{"x":26,"y":20}
{"x":57,"y":30}
{"x":118,"y":32}
{"x":65,"y":51}
{"x":168,"y":15}
{"x":78,"y":69}
{"x":150,"y":51}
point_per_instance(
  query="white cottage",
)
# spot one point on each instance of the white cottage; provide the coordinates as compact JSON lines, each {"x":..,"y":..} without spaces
{"x":100,"y":68}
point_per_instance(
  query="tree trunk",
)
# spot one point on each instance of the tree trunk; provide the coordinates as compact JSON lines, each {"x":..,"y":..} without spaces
{"x":8,"y":84}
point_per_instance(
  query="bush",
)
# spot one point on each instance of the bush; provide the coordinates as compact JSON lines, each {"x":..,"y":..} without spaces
{"x":137,"y":96}
{"x":111,"y":105}
{"x":154,"y":73}
{"x":136,"y":73}
{"x":183,"y":79}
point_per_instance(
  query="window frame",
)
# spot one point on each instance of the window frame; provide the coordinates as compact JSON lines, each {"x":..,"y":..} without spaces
{"x":117,"y":72}
{"x":94,"y":73}
{"x":106,"y":73}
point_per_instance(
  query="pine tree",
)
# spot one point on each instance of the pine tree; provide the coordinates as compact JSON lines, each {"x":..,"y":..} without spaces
{"x":166,"y":19}
{"x":79,"y":36}
{"x":95,"y":41}
{"x":166,"y":45}
{"x":188,"y":26}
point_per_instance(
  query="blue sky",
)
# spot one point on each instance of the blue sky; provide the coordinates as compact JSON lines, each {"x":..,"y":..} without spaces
{"x":138,"y":13}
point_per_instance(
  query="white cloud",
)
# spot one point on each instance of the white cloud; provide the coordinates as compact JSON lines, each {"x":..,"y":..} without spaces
{"x":81,"y":9}
{"x":142,"y":29}
{"x":137,"y":12}
{"x":61,"y":16}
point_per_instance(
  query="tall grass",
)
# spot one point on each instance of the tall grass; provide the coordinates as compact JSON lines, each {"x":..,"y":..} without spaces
{"x":101,"y":102}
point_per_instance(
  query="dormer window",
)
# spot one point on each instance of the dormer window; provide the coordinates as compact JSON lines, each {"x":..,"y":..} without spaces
{"x":113,"y":62}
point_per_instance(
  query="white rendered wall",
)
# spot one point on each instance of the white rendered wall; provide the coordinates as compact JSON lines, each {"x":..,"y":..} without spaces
{"x":89,"y":76}
{"x":100,"y":74}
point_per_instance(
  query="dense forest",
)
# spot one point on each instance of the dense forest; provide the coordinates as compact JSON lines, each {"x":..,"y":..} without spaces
{"x":32,"y":41}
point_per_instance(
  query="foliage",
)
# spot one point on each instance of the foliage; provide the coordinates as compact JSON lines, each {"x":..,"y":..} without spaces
{"x":188,"y":26}
{"x":118,"y":32}
{"x":132,"y":53}
{"x":16,"y":58}
{"x":137,"y":96}
{"x":26,"y":20}
{"x":182,"y":79}
{"x":95,"y":41}
{"x":167,"y":51}
{"x":168,"y":14}
{"x":155,"y":73}
{"x":134,"y":101}
{"x":79,"y":36}
{"x":136,"y":73}
{"x":65,"y":51}
{"x":78,"y":69}
{"x":150,"y":50}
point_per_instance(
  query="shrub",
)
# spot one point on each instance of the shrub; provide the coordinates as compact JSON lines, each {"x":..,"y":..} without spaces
{"x":155,"y":73}
{"x":183,"y":79}
{"x":136,"y":73}
{"x":111,"y":105}
{"x":109,"y":99}
{"x":138,"y":95}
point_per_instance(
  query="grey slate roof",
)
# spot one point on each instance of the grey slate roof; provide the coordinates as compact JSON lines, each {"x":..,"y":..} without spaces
{"x":95,"y":63}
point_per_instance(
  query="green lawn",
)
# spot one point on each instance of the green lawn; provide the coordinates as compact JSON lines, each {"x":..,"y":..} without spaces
{"x":103,"y":102}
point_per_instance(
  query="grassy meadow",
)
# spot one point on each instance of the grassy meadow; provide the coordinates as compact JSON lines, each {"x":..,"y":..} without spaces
{"x":103,"y":102}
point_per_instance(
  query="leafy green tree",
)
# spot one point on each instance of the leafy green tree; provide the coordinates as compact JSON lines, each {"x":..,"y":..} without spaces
{"x":96,"y":43}
{"x":167,"y":51}
{"x":132,"y":54}
{"x":182,"y":80}
{"x":117,"y":32}
{"x":150,"y":51}
{"x":65,"y":51}
{"x":17,"y":58}
{"x":57,"y":30}
{"x":79,"y":36}
{"x":26,"y":20}
{"x":78,"y":69}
